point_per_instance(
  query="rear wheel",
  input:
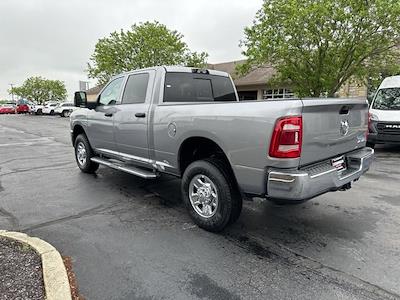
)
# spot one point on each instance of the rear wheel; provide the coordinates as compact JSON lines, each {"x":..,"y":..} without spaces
{"x":39,"y":111}
{"x":65,"y":113}
{"x":52,"y":112}
{"x":210,"y":195}
{"x":83,"y":155}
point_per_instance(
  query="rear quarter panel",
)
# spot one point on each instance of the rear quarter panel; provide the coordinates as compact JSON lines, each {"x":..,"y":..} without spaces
{"x":241,"y":129}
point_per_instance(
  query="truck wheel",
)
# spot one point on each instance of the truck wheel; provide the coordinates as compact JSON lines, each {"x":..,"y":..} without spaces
{"x":83,"y":154}
{"x":209,"y":194}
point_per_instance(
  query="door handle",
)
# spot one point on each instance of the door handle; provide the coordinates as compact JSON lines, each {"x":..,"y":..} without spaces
{"x":140,"y":115}
{"x":108,"y":114}
{"x":344,"y":110}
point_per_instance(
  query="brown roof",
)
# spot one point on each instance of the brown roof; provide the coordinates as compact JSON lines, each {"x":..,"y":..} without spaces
{"x":94,"y":90}
{"x":260,"y":75}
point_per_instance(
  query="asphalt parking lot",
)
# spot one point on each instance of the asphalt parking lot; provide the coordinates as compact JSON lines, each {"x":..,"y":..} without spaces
{"x":132,"y":239}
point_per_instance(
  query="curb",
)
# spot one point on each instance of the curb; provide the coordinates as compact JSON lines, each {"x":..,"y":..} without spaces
{"x":55,"y":276}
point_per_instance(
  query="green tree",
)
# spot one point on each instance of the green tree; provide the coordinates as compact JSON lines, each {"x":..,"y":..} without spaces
{"x":40,"y":90}
{"x":317,"y":45}
{"x":145,"y":45}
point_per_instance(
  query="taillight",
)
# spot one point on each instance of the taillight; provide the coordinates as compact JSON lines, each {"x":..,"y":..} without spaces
{"x":287,"y":137}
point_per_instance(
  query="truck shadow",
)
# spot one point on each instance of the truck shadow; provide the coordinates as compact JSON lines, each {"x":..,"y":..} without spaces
{"x":310,"y":225}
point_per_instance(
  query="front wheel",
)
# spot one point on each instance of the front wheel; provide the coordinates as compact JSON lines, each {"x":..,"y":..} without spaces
{"x":83,"y":155}
{"x":66,"y":113}
{"x":210,"y":195}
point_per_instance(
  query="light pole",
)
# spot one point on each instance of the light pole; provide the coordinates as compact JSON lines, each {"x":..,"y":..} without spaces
{"x":12,"y":93}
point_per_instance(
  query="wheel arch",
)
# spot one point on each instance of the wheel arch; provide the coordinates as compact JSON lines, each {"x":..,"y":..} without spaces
{"x":78,"y":129}
{"x":198,"y":148}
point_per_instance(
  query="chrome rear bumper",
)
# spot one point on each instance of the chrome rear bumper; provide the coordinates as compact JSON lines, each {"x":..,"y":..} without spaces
{"x":311,"y":181}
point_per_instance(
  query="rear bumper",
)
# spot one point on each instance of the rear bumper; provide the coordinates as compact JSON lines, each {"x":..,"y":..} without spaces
{"x":383,"y":138}
{"x":306,"y":183}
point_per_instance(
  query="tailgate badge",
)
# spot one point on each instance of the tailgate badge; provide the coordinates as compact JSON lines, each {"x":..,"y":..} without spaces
{"x":344,"y":127}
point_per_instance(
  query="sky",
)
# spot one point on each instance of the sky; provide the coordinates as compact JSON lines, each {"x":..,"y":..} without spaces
{"x":55,"y":39}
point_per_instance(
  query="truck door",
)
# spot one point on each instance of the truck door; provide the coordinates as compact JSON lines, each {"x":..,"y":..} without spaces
{"x":100,"y":120}
{"x":132,"y":116}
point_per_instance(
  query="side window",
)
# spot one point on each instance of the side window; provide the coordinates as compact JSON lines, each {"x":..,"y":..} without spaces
{"x":135,"y":89}
{"x":110,"y":94}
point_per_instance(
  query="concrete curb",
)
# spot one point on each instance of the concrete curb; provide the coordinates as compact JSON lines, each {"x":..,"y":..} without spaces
{"x":55,"y":276}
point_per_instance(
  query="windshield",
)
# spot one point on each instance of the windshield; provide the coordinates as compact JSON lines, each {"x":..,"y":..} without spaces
{"x":387,"y":99}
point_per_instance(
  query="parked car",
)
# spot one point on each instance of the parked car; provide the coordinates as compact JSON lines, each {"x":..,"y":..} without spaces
{"x":49,"y":108}
{"x":22,"y":107}
{"x":36,"y":109}
{"x":190,"y":123}
{"x":8,"y":109}
{"x":384,"y":126}
{"x":65,"y":109}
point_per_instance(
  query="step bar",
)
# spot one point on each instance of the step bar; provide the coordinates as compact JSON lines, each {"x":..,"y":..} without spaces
{"x":127,"y":169}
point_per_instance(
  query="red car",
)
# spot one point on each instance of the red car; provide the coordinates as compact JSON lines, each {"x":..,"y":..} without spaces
{"x":22,"y":107}
{"x":7,"y":109}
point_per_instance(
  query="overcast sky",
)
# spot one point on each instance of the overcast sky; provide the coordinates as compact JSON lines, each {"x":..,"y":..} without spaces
{"x":55,"y":39}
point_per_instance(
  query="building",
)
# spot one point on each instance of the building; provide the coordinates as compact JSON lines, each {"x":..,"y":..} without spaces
{"x":255,"y":85}
{"x":93,"y":92}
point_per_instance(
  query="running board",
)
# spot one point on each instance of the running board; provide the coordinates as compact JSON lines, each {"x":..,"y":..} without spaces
{"x":127,"y":169}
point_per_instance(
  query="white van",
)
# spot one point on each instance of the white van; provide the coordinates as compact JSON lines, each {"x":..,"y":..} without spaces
{"x":384,"y":113}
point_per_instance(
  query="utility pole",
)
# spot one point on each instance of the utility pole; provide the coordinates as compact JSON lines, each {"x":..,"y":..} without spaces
{"x":12,"y":93}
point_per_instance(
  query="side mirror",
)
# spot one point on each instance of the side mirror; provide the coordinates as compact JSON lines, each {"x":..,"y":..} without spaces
{"x":80,"y":99}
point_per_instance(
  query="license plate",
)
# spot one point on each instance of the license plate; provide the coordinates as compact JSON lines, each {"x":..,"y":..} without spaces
{"x":339,"y":163}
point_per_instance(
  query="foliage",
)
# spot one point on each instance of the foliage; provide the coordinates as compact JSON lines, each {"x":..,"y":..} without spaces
{"x":376,"y":74}
{"x":41,"y":90}
{"x":318,"y":45}
{"x":145,"y":45}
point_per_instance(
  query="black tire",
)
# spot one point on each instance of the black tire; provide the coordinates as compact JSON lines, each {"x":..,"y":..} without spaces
{"x":39,"y":112}
{"x":238,"y":201}
{"x":87,"y":166}
{"x":371,"y":145}
{"x":52,"y":113}
{"x":229,"y":199}
{"x":64,"y":114}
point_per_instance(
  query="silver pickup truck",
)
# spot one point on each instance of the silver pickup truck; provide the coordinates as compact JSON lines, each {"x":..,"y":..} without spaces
{"x":189,"y":123}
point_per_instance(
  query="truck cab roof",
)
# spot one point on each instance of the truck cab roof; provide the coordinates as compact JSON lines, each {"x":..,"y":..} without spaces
{"x":179,"y":69}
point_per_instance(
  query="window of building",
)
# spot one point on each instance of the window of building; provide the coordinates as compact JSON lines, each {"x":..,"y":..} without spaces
{"x":247,"y":95}
{"x":277,"y":94}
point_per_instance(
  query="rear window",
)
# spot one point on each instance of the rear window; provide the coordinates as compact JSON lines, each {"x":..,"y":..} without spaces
{"x":188,"y":87}
{"x":387,"y":99}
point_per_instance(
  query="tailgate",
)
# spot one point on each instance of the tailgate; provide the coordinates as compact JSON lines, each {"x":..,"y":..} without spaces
{"x":332,"y":127}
